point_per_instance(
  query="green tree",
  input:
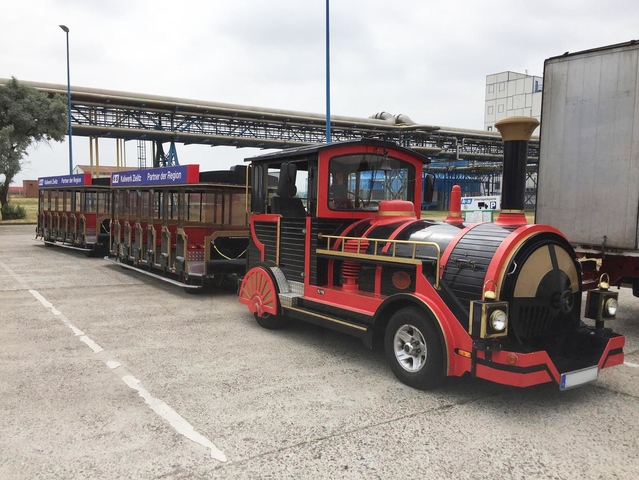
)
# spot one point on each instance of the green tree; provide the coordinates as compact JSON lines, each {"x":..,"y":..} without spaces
{"x":27,"y":117}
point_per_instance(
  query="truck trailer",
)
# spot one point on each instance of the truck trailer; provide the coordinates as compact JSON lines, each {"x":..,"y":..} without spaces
{"x":588,"y":181}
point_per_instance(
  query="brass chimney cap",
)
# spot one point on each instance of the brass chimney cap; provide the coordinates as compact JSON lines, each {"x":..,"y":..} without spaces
{"x":516,"y":128}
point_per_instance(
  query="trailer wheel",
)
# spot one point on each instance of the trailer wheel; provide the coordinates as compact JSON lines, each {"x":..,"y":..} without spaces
{"x":259,"y":292}
{"x":193,"y":291}
{"x":413,"y":348}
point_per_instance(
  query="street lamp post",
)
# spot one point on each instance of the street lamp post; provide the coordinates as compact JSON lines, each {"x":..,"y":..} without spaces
{"x":66,"y":30}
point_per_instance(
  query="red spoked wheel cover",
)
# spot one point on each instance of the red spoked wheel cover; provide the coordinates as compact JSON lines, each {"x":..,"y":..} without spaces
{"x":258,"y":292}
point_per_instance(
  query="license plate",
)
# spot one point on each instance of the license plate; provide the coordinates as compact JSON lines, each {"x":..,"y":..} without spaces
{"x":578,"y":377}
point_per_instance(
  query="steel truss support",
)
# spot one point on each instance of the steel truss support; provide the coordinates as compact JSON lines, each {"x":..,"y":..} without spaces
{"x":169,"y":159}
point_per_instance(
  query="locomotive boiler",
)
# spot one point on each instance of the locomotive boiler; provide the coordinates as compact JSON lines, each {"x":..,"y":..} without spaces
{"x":499,"y":301}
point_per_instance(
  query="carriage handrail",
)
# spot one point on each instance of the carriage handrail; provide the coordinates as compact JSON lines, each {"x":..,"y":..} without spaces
{"x":376,"y":242}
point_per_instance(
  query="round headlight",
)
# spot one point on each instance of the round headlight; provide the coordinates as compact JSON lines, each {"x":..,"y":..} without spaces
{"x":498,"y":320}
{"x":611,"y":307}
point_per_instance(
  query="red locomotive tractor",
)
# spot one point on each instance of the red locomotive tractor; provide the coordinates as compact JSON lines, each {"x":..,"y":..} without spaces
{"x":500,"y":301}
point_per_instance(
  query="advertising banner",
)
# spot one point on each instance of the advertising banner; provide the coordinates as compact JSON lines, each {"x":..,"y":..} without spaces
{"x":178,"y":175}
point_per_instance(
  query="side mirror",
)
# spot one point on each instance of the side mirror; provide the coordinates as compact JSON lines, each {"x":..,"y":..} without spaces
{"x":429,"y":188}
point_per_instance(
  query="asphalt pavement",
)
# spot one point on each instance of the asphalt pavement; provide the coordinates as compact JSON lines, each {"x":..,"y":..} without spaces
{"x":106,"y":373}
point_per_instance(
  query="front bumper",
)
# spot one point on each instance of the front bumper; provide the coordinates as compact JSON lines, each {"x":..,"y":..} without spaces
{"x":523,"y":369}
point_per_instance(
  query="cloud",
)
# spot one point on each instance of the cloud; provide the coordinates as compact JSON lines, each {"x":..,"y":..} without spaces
{"x":428,"y":60}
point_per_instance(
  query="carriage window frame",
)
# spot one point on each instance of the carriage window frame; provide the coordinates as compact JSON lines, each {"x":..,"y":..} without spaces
{"x":104,"y":202}
{"x":194,"y":206}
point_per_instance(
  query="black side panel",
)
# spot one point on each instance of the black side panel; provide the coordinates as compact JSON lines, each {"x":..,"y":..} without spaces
{"x":253,"y":254}
{"x":402,"y":276}
{"x":366,"y":280}
{"x":292,"y":238}
{"x":266,"y":233}
{"x":466,"y":268}
{"x":336,"y":312}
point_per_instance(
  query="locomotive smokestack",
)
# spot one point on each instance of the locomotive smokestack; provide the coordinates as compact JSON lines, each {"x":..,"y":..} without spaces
{"x":516,"y":133}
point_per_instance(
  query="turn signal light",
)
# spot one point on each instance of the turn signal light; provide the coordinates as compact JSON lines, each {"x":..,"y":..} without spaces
{"x":463,"y":353}
{"x":511,"y":359}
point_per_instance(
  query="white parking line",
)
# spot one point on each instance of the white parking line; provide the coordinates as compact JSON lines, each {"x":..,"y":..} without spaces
{"x":174,"y":418}
{"x":630,"y":364}
{"x":158,"y":406}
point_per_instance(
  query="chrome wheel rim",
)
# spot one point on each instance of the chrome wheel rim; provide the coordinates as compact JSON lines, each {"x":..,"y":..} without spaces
{"x":410,"y":348}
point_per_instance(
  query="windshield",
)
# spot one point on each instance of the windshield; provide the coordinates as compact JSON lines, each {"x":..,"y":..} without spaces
{"x":361,"y":181}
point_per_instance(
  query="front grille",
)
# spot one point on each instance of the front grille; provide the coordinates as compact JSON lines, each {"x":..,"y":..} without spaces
{"x":533,"y":321}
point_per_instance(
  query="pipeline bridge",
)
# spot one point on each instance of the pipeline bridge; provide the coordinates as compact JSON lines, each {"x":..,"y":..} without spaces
{"x":456,"y":154}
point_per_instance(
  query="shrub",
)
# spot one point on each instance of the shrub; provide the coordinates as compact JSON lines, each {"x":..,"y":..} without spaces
{"x":11,"y":211}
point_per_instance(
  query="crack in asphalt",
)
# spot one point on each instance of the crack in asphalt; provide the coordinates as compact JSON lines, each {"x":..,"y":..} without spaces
{"x":435,"y":410}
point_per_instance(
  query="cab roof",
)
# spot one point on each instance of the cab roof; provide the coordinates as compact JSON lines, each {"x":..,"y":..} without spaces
{"x":305,"y":151}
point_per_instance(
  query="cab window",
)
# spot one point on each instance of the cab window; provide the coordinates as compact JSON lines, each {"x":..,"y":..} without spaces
{"x":361,"y":181}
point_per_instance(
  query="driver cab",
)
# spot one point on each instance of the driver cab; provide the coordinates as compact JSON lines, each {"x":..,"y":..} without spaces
{"x":299,"y":193}
{"x":337,"y":180}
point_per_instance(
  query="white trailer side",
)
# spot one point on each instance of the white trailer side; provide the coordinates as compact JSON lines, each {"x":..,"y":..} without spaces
{"x":588,"y":182}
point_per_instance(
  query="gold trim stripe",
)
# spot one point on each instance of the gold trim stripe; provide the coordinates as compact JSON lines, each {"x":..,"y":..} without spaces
{"x":324,"y":317}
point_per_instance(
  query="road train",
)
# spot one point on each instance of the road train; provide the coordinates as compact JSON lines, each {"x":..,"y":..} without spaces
{"x":499,"y":301}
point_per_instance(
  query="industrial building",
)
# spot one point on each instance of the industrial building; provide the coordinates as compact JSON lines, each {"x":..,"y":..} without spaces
{"x":510,"y":94}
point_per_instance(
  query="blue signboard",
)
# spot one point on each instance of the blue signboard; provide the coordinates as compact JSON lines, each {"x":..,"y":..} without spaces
{"x":65,"y":181}
{"x":177,"y":175}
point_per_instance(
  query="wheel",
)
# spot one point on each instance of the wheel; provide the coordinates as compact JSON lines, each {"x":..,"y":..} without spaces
{"x":413,"y":348}
{"x":271,"y":322}
{"x":259,"y":293}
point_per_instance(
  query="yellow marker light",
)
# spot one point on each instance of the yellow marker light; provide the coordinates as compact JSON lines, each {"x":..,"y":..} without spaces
{"x":463,"y":353}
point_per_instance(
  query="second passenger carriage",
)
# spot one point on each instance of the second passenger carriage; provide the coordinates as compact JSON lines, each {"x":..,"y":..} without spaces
{"x":181,"y":225}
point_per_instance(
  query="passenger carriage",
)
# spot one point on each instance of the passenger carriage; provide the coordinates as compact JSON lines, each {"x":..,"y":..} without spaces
{"x":74,"y":212}
{"x":181,"y":225}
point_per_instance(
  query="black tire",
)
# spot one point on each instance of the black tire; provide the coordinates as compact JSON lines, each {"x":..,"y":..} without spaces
{"x":422,"y":365}
{"x":271,"y":322}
